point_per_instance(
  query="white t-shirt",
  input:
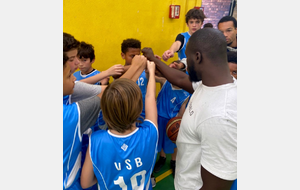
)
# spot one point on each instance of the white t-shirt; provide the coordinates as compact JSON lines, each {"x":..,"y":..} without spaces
{"x":207,"y":136}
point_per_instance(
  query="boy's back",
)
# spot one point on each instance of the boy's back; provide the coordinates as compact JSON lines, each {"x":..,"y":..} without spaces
{"x":129,"y":159}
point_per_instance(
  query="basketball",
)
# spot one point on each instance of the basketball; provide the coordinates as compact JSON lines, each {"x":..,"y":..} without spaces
{"x":172,"y":128}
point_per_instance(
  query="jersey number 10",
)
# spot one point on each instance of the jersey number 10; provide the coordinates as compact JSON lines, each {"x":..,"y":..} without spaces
{"x":134,"y":184}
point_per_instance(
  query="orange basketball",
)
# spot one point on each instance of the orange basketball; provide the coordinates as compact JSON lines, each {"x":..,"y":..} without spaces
{"x":172,"y":128}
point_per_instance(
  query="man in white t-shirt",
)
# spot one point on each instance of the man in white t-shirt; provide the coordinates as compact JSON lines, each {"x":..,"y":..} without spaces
{"x":207,"y":138}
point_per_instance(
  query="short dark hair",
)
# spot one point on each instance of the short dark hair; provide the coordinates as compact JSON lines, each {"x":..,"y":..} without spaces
{"x":232,"y":57}
{"x":228,"y":18}
{"x":209,"y":42}
{"x":130,"y":43}
{"x":86,"y":50}
{"x":208,"y":25}
{"x":194,"y":14}
{"x":66,"y":58}
{"x":70,"y":42}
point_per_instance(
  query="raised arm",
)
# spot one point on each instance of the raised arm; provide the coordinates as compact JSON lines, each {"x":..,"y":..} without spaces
{"x":138,"y":65}
{"x":174,"y":76}
{"x":126,"y":67}
{"x":150,"y":103}
{"x":170,"y":52}
{"x":113,"y":70}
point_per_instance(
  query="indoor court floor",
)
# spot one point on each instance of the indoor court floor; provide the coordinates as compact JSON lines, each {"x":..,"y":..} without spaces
{"x":164,"y":178}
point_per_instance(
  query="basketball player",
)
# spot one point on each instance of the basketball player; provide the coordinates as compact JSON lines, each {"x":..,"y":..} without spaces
{"x":194,"y":20}
{"x":129,"y":49}
{"x":79,"y":116}
{"x":123,"y":157}
{"x":207,"y":138}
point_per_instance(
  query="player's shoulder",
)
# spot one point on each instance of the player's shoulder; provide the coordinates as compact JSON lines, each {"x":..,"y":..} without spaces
{"x":148,"y":125}
{"x":70,"y":109}
{"x":100,"y":134}
{"x":77,"y":73}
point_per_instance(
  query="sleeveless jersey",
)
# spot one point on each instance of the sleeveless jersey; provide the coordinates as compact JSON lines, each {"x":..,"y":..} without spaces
{"x":169,"y":100}
{"x":66,"y":100}
{"x":124,"y":162}
{"x":181,"y":53}
{"x":142,"y":82}
{"x":71,"y":147}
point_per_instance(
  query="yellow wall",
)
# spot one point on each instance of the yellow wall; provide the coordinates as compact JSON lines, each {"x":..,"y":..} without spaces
{"x":105,"y":24}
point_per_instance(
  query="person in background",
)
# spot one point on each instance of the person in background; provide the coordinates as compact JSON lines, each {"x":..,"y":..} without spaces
{"x":228,"y":26}
{"x":194,"y":19}
{"x":232,"y":63}
{"x":208,"y":25}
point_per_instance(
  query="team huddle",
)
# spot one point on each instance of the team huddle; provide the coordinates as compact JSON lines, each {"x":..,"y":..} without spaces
{"x":112,"y":132}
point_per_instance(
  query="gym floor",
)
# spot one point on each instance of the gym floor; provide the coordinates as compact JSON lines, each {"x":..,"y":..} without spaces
{"x":164,"y":178}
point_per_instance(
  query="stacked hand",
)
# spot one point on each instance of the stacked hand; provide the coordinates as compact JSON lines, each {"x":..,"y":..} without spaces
{"x":139,"y":60}
{"x":151,"y":66}
{"x":117,"y":69}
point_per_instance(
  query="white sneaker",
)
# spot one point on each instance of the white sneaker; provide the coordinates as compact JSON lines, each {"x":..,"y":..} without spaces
{"x":153,"y":181}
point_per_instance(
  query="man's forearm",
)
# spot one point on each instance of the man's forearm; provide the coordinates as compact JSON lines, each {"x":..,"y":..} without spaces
{"x":174,"y":76}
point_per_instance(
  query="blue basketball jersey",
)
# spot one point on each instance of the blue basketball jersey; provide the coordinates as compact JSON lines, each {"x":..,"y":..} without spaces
{"x":124,"y":162}
{"x":79,"y":76}
{"x":66,"y":100}
{"x":181,"y":53}
{"x":142,"y":82}
{"x":71,"y":147}
{"x":169,"y":100}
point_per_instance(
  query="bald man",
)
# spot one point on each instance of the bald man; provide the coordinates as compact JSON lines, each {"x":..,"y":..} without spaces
{"x":207,"y":138}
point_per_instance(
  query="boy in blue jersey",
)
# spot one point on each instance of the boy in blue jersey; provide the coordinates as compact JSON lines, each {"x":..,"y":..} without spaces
{"x":86,"y":55}
{"x":82,"y":90}
{"x":123,"y":157}
{"x":77,"y":118}
{"x":169,"y":102}
{"x":81,"y":106}
{"x":129,"y":49}
{"x":194,"y":21}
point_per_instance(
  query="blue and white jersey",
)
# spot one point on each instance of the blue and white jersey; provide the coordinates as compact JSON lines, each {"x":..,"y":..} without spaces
{"x":124,"y":162}
{"x":142,"y":82}
{"x":71,"y":146}
{"x":80,"y":76}
{"x":169,"y":100}
{"x":181,"y":52}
